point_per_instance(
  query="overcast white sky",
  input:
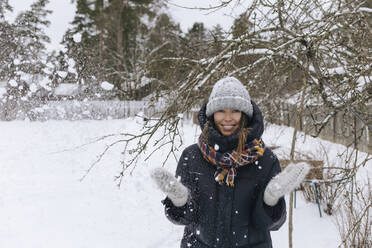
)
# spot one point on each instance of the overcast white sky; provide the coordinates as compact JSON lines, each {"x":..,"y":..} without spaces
{"x":64,"y":11}
{"x":224,"y":17}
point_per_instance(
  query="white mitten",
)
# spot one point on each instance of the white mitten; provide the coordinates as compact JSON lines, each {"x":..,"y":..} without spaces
{"x":169,"y":184}
{"x":285,"y":182}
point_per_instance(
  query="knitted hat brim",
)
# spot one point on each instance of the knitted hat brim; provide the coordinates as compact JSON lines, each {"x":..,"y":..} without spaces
{"x":238,"y":103}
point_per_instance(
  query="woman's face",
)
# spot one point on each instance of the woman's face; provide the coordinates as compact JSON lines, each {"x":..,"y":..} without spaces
{"x":227,"y":120}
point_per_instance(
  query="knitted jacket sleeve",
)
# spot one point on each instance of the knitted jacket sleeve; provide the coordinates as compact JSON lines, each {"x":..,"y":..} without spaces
{"x":188,"y":213}
{"x":265,"y":216}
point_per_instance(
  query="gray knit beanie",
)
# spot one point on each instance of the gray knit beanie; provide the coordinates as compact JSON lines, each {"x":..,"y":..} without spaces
{"x":229,"y":92}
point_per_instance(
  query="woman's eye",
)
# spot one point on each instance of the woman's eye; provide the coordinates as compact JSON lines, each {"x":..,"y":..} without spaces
{"x":236,"y":111}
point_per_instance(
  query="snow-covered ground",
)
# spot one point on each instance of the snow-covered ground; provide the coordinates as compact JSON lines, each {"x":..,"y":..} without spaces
{"x":44,"y":204}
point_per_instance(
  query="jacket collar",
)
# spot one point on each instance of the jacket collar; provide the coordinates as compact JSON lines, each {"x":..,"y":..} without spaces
{"x":229,"y":143}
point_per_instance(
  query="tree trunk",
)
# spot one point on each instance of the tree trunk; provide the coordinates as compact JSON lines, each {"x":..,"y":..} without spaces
{"x":119,"y":40}
{"x":101,"y":41}
{"x":120,"y":63}
{"x":297,"y":125}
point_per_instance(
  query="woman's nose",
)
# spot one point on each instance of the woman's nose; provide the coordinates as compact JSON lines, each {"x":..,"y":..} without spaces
{"x":228,"y":116}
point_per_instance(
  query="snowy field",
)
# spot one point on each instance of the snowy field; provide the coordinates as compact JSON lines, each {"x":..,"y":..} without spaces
{"x":44,"y":204}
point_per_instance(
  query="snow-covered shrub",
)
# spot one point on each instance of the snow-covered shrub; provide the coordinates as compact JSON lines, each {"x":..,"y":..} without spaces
{"x":72,"y":110}
{"x":354,"y":218}
{"x":95,"y":110}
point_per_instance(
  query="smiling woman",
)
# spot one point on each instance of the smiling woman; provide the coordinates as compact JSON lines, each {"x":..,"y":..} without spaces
{"x":228,"y":100}
{"x":227,"y":121}
{"x":226,"y":196}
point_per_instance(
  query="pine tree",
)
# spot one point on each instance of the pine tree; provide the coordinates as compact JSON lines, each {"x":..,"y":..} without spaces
{"x":26,"y":58}
{"x":196,"y":41}
{"x":242,"y":25}
{"x":7,"y":42}
{"x":30,"y":26}
{"x":82,"y":43}
{"x":112,"y":40}
{"x":218,"y":36}
{"x":4,"y":7}
{"x":163,"y":43}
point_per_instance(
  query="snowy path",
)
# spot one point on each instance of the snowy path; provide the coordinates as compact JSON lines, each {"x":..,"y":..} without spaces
{"x":44,"y":204}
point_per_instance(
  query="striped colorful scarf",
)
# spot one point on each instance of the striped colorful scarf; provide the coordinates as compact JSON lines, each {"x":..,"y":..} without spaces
{"x":227,"y":163}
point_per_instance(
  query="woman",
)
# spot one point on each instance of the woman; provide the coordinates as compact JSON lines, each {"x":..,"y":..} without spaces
{"x":227,"y":195}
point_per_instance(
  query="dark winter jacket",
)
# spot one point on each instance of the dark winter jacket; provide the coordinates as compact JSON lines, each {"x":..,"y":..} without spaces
{"x":222,"y":216}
